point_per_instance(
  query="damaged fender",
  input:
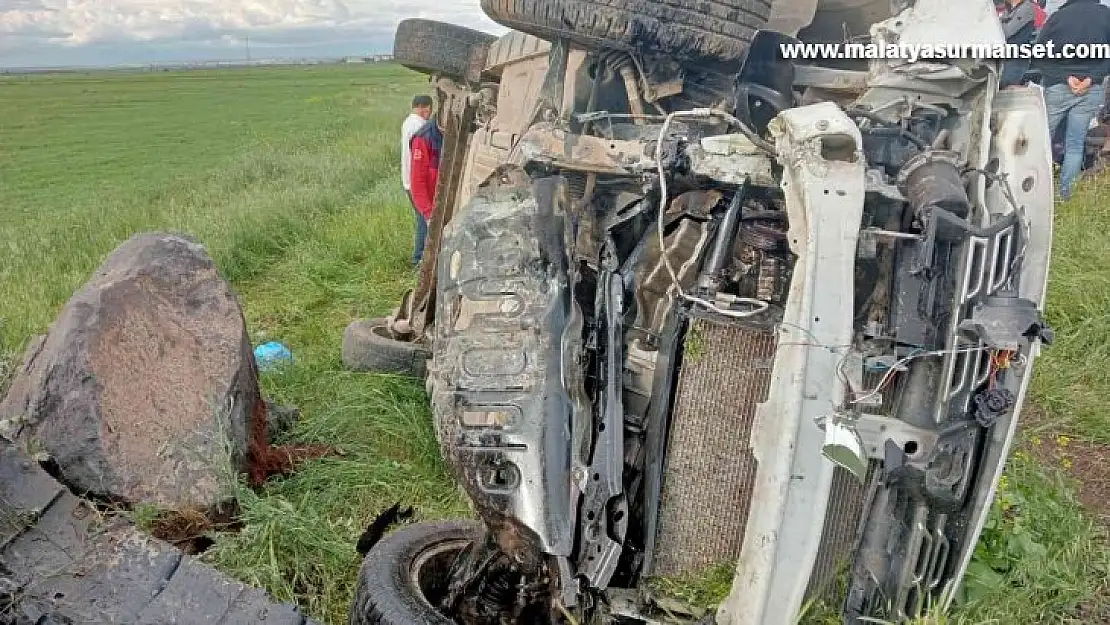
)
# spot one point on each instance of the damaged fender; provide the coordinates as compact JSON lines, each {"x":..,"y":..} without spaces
{"x":1022,"y":145}
{"x":503,"y":413}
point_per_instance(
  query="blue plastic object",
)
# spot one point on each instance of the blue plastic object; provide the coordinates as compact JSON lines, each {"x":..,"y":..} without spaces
{"x":271,"y":355}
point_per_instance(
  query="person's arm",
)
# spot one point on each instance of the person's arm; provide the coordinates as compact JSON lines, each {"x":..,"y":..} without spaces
{"x":408,"y":129}
{"x":423,"y":177}
{"x":1048,"y":31}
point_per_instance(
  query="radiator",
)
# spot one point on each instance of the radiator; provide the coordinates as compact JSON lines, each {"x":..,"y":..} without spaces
{"x":710,"y":470}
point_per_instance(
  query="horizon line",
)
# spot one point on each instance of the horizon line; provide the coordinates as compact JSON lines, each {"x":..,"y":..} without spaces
{"x":378,"y":57}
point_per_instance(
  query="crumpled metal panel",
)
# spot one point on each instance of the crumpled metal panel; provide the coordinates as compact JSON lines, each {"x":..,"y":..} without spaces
{"x":501,"y":405}
{"x":710,"y":469}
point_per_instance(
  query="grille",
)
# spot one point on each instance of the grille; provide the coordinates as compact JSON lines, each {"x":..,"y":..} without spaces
{"x":843,"y":518}
{"x":838,"y":538}
{"x":710,"y":470}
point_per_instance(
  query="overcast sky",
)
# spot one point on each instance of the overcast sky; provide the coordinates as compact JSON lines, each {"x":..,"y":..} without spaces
{"x":110,"y":32}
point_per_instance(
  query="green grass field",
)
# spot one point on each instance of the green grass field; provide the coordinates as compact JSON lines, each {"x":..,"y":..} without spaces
{"x":289,"y":176}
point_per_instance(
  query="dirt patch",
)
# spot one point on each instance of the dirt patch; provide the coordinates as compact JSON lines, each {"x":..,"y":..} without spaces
{"x":1088,"y":463}
{"x":1085,"y":461}
{"x":192,"y":531}
{"x":266,"y":460}
{"x":1097,"y":611}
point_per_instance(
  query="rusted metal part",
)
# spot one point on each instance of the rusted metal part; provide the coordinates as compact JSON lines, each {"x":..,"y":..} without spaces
{"x":697,"y":204}
{"x":550,"y":145}
{"x":628,"y":74}
{"x":418,"y":306}
{"x":654,"y":295}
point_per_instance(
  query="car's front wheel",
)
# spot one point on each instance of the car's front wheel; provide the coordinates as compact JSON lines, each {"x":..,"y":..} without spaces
{"x":405,"y":574}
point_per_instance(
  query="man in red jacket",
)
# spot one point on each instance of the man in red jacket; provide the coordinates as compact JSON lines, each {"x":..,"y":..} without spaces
{"x":425,"y":148}
{"x":1040,"y":16}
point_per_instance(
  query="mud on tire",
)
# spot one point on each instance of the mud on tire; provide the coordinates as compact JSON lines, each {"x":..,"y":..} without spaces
{"x":432,"y":47}
{"x":712,"y":30}
{"x":402,"y":574}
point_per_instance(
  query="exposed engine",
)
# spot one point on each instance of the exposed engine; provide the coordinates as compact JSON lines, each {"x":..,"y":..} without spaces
{"x":587,"y":278}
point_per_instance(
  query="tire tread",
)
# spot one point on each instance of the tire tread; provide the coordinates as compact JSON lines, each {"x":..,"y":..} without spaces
{"x":383,"y":595}
{"x":432,"y":47}
{"x":699,"y":30}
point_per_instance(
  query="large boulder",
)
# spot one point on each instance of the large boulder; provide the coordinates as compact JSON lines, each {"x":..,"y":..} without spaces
{"x":145,"y":387}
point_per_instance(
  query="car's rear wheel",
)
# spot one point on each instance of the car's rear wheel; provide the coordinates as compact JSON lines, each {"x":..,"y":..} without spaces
{"x":432,"y":47}
{"x":406,"y":573}
{"x":709,"y":31}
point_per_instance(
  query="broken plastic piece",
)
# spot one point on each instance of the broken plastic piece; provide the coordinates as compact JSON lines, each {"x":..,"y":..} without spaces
{"x":1002,"y":323}
{"x":992,"y":404}
{"x":844,"y":448}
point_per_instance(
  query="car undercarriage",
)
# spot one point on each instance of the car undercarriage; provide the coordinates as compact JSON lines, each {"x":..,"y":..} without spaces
{"x":772,"y":315}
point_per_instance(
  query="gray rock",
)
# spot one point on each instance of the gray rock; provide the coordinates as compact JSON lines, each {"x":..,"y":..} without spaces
{"x":143,"y":388}
{"x":280,"y":420}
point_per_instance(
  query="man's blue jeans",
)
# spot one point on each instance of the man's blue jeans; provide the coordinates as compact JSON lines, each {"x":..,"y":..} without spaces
{"x":421,"y":232}
{"x":1078,"y":111}
{"x":1013,"y":70}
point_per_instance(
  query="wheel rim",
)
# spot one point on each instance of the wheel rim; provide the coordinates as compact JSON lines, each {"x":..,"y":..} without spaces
{"x":430,"y":568}
{"x":382,"y":331}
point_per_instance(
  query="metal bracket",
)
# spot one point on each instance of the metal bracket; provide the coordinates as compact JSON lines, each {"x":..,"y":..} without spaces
{"x":547,"y":144}
{"x":604,"y":511}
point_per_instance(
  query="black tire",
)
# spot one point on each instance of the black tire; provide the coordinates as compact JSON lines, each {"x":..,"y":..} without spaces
{"x":401,"y":570}
{"x":703,"y":31}
{"x":369,"y":346}
{"x":432,"y":47}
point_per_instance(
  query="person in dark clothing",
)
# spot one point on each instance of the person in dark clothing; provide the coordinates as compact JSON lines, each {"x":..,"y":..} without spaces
{"x":425,"y":149}
{"x":1073,"y":87}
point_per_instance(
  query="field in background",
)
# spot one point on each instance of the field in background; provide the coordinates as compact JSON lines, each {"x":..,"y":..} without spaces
{"x":289,"y":176}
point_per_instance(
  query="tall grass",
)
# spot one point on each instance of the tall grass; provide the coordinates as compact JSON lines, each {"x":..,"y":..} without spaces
{"x":290,"y":178}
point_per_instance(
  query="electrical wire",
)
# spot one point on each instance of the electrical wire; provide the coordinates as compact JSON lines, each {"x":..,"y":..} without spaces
{"x":896,"y":367}
{"x":999,"y":361}
{"x":760,"y":306}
